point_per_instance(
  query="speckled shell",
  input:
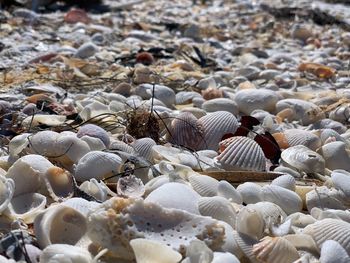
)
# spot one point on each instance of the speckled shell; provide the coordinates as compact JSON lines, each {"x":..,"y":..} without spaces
{"x":333,"y":252}
{"x":215,"y":126}
{"x":336,"y":156}
{"x":251,"y":192}
{"x":286,"y":181}
{"x":302,"y":137}
{"x":143,"y":147}
{"x":220,"y":104}
{"x":94,"y":131}
{"x":203,"y":184}
{"x":242,"y":153}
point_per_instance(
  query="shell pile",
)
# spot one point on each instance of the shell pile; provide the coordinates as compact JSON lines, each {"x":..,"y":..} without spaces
{"x":175,"y":131}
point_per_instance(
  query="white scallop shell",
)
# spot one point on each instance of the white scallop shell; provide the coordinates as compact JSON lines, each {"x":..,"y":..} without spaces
{"x":121,"y":146}
{"x":96,"y":189}
{"x":286,"y":181}
{"x":325,"y":198}
{"x":320,"y":214}
{"x":98,"y":165}
{"x":59,"y":183}
{"x":220,"y":104}
{"x":144,"y":252}
{"x":215,"y":126}
{"x":329,"y":133}
{"x":185,"y":97}
{"x":225,"y":189}
{"x":250,"y":222}
{"x":252,"y":99}
{"x":203,"y":184}
{"x":93,"y":130}
{"x":272,"y":213}
{"x":95,"y":144}
{"x":336,"y":156}
{"x":65,"y":253}
{"x":333,"y":252}
{"x":18,"y":144}
{"x":218,"y":208}
{"x":251,"y":192}
{"x":59,"y":224}
{"x":242,"y":153}
{"x":341,"y":181}
{"x":175,"y":195}
{"x":302,"y":137}
{"x":144,"y":147}
{"x":275,"y":250}
{"x":220,"y":257}
{"x":303,"y":159}
{"x":81,"y":205}
{"x":288,"y":200}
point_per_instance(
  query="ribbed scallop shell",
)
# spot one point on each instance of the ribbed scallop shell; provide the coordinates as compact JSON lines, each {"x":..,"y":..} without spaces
{"x":121,"y":146}
{"x":242,"y":153}
{"x":225,"y":189}
{"x":330,"y":229}
{"x":326,"y":134}
{"x":251,"y":192}
{"x":215,"y":126}
{"x":143,"y":147}
{"x":341,"y":181}
{"x":204,"y":185}
{"x":250,"y":222}
{"x":325,"y":198}
{"x":272,"y":213}
{"x":275,"y":250}
{"x":286,"y":181}
{"x":94,"y":131}
{"x":303,"y":159}
{"x":185,"y":130}
{"x":302,"y":137}
{"x":218,"y":208}
{"x":333,"y":252}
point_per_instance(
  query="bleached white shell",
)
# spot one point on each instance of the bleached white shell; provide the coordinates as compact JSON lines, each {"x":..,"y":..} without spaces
{"x":325,"y":198}
{"x":98,"y":165}
{"x":303,"y":159}
{"x":59,"y":224}
{"x":225,"y":189}
{"x":330,"y":229}
{"x":95,"y":144}
{"x":218,"y":208}
{"x":7,"y":189}
{"x":203,"y":184}
{"x":18,"y":144}
{"x":62,"y":253}
{"x":341,"y":181}
{"x":220,"y":104}
{"x":220,"y":257}
{"x":130,"y":186}
{"x":320,"y":214}
{"x":145,"y":252}
{"x":336,"y":156}
{"x":300,"y":220}
{"x":198,"y":252}
{"x":162,"y":93}
{"x":302,"y":137}
{"x":144,"y":147}
{"x":96,"y":189}
{"x":242,"y":153}
{"x":93,"y":130}
{"x":138,"y":219}
{"x":286,"y":181}
{"x":288,"y":200}
{"x":275,"y":250}
{"x":251,"y":193}
{"x":59,"y":183}
{"x":252,"y":99}
{"x":272,"y":213}
{"x":333,"y":252}
{"x":81,"y":205}
{"x":215,"y":126}
{"x":185,"y":97}
{"x":49,"y":120}
{"x":175,"y":195}
{"x":250,"y":222}
{"x":92,"y":110}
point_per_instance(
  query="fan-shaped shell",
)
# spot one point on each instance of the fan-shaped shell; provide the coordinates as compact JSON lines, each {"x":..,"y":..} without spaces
{"x":289,"y":201}
{"x":217,"y":207}
{"x":333,"y":252}
{"x":303,"y":159}
{"x":250,"y":222}
{"x":203,"y":184}
{"x":272,"y":213}
{"x":319,"y":214}
{"x":286,"y":181}
{"x":242,"y":153}
{"x":121,"y":146}
{"x":225,"y":189}
{"x":341,"y":181}
{"x":215,"y":126}
{"x":65,"y":253}
{"x":336,"y":156}
{"x":98,"y":165}
{"x":302,"y":137}
{"x":143,"y":147}
{"x":251,"y":192}
{"x":220,"y":104}
{"x":325,"y":198}
{"x":93,"y":130}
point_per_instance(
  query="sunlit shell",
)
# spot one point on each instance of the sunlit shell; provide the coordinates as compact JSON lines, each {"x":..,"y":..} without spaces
{"x":272,"y":213}
{"x":275,"y":250}
{"x":121,"y":146}
{"x":245,"y":244}
{"x":81,"y":205}
{"x":251,"y":193}
{"x":336,"y":156}
{"x":250,"y":222}
{"x":163,"y":93}
{"x":220,"y":257}
{"x":7,"y":190}
{"x":117,"y":221}
{"x":225,"y":189}
{"x":59,"y":224}
{"x":18,"y":144}
{"x":242,"y":153}
{"x":341,"y":114}
{"x":144,"y":252}
{"x":218,"y":208}
{"x":98,"y":165}
{"x":203,"y":184}
{"x":320,"y":214}
{"x":303,"y":159}
{"x":286,"y":170}
{"x":144,"y":147}
{"x":65,"y":253}
{"x":325,"y":198}
{"x":198,"y":251}
{"x":39,"y":119}
{"x":215,"y":126}
{"x":94,"y":131}
{"x":286,"y":181}
{"x":185,"y":97}
{"x":302,"y":137}
{"x":300,"y":220}
{"x":94,"y":144}
{"x":96,"y":189}
{"x":59,"y":183}
{"x":212,"y":93}
{"x":130,"y":186}
{"x":220,"y":104}
{"x":341,"y":181}
{"x":333,"y":252}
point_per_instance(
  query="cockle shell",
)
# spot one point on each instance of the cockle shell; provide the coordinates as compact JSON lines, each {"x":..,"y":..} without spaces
{"x":203,"y":184}
{"x":65,"y":253}
{"x":117,"y":221}
{"x":275,"y":250}
{"x":225,"y":189}
{"x":301,"y":137}
{"x":242,"y":153}
{"x":336,"y":156}
{"x":59,"y":224}
{"x":98,"y":165}
{"x":286,"y":181}
{"x":251,"y":193}
{"x":333,"y":252}
{"x":272,"y":213}
{"x":320,"y":214}
{"x":215,"y":126}
{"x":218,"y":208}
{"x":250,"y":222}
{"x":81,"y":205}
{"x":185,"y":97}
{"x":59,"y":183}
{"x":144,"y":252}
{"x":143,"y":147}
{"x":163,"y":93}
{"x":220,"y":104}
{"x":325,"y":198}
{"x":303,"y":159}
{"x":93,"y":130}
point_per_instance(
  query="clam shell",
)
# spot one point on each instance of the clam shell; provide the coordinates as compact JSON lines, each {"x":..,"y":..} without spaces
{"x":215,"y":126}
{"x":220,"y":104}
{"x":325,"y":198}
{"x":272,"y":213}
{"x":220,"y":257}
{"x":59,"y":183}
{"x":144,"y":147}
{"x":65,"y":253}
{"x":329,"y":133}
{"x":162,"y":93}
{"x":250,"y":222}
{"x":242,"y":153}
{"x":225,"y":189}
{"x":203,"y":184}
{"x":341,"y":181}
{"x":93,"y":130}
{"x":320,"y":214}
{"x":18,"y":144}
{"x":185,"y":97}
{"x":336,"y":156}
{"x":218,"y":208}
{"x":333,"y":252}
{"x":198,"y":251}
{"x":288,"y":200}
{"x":130,"y":186}
{"x":95,"y":144}
{"x":286,"y":181}
{"x":251,"y":193}
{"x":302,"y":137}
{"x":95,"y":189}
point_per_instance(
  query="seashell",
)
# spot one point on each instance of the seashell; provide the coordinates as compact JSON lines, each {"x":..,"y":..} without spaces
{"x":326,"y":134}
{"x":59,"y":183}
{"x":341,"y":181}
{"x":186,"y":199}
{"x":121,"y":146}
{"x":299,"y":221}
{"x":130,"y":186}
{"x":330,"y":229}
{"x":123,"y":88}
{"x":160,"y":92}
{"x":143,"y":147}
{"x":218,"y":208}
{"x":336,"y":156}
{"x":325,"y":198}
{"x":340,"y":114}
{"x":59,"y":224}
{"x":86,"y":50}
{"x":144,"y":252}
{"x":81,"y":205}
{"x":27,"y":173}
{"x":186,"y":97}
{"x":304,"y":111}
{"x":242,"y":153}
{"x":250,"y":222}
{"x":220,"y":104}
{"x":303,"y":242}
{"x":220,"y":257}
{"x":98,"y":165}
{"x":203,"y":184}
{"x":41,"y":119}
{"x":333,"y":252}
{"x":286,"y":181}
{"x":94,"y":144}
{"x":301,"y":32}
{"x":198,"y":252}
{"x":215,"y":126}
{"x":287,"y":170}
{"x":288,"y":200}
{"x":93,"y":110}
{"x":206,"y":83}
{"x":301,"y":137}
{"x":93,"y":130}
{"x":225,"y":189}
{"x":275,"y":250}
{"x":272,"y":213}
{"x":303,"y":159}
{"x":252,"y":99}
{"x":251,"y":193}
{"x":138,"y":219}
{"x":18,"y":144}
{"x":320,"y":214}
{"x":65,"y":253}
{"x":329,"y":124}
{"x":282,"y":229}
{"x":197,"y":112}
{"x":245,"y":246}
{"x":7,"y":190}
{"x":95,"y":189}
{"x":212,"y":93}
{"x":27,"y":206}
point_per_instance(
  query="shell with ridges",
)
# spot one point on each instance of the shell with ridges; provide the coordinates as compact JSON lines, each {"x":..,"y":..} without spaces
{"x":93,"y":130}
{"x":220,"y":104}
{"x":325,"y":198}
{"x":333,"y":252}
{"x":143,"y":147}
{"x":286,"y":181}
{"x":302,"y":137}
{"x":272,"y":213}
{"x":203,"y":184}
{"x":65,"y":253}
{"x":250,"y":222}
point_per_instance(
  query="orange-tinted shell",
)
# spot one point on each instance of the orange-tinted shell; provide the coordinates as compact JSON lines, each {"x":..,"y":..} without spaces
{"x":39,"y":97}
{"x":281,"y":139}
{"x":318,"y":70}
{"x":212,"y":93}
